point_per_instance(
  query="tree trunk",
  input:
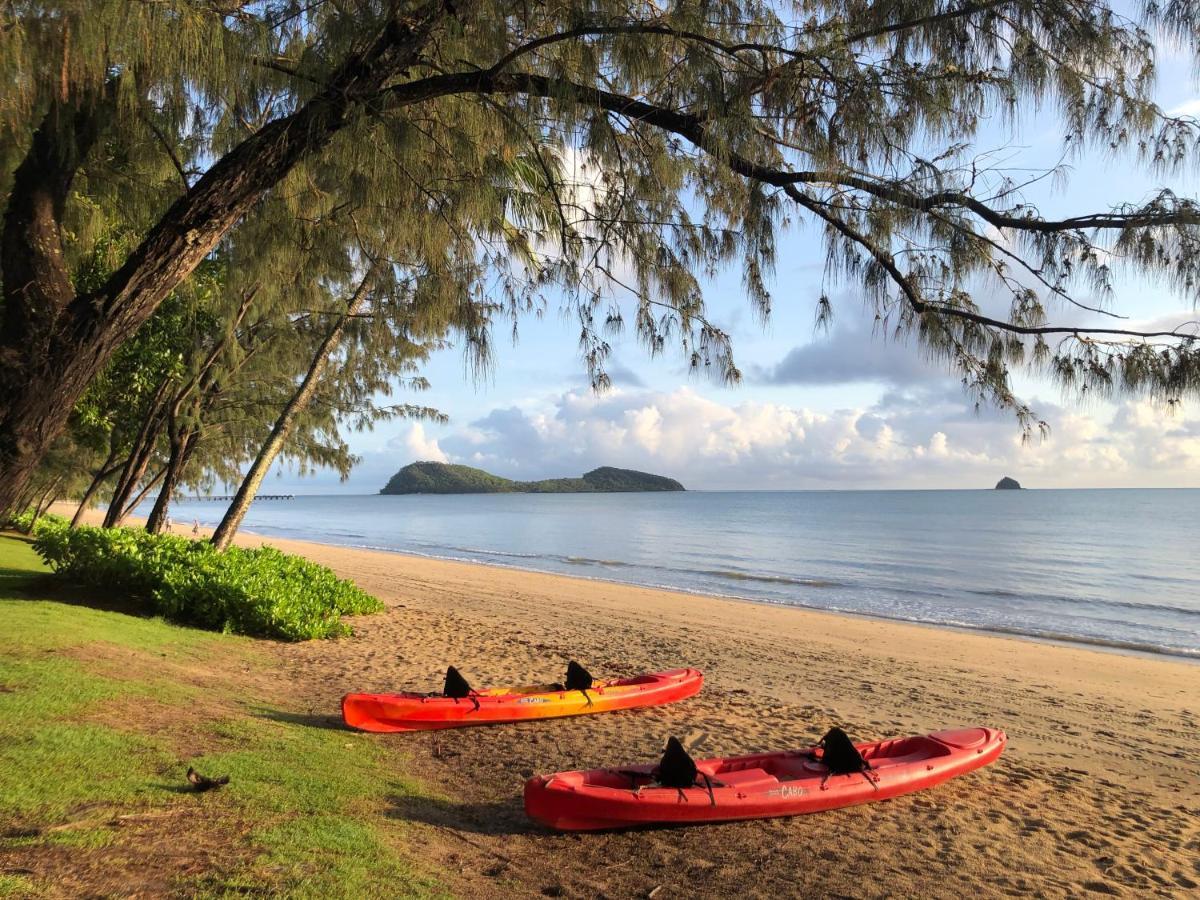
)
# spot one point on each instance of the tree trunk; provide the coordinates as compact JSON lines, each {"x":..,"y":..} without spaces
{"x":25,"y":498}
{"x":53,"y":342}
{"x":34,"y":398}
{"x":134,"y":472}
{"x":141,"y":495}
{"x":181,"y":451}
{"x":139,"y":456}
{"x":44,"y":502}
{"x":253,"y":479}
{"x":102,"y":474}
{"x":48,"y":499}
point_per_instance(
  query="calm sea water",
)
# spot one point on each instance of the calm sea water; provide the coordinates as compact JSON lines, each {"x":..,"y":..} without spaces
{"x":1117,"y":568}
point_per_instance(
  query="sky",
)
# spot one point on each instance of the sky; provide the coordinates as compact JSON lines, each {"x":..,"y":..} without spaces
{"x":839,"y":410}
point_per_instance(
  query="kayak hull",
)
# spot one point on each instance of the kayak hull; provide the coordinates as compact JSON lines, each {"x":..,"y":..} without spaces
{"x":756,"y":787}
{"x":416,"y":712}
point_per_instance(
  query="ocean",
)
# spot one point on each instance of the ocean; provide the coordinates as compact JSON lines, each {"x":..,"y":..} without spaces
{"x":1116,"y":568}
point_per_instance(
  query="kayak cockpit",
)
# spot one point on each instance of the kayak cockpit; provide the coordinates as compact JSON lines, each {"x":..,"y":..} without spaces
{"x":903,"y":751}
{"x":762,"y":773}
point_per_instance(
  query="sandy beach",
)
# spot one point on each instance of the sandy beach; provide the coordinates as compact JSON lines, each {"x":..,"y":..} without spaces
{"x":1098,"y":791}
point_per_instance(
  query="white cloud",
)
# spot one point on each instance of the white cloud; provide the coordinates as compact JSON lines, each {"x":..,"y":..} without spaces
{"x":925,"y":437}
{"x":1187,"y":108}
{"x":417,"y":445}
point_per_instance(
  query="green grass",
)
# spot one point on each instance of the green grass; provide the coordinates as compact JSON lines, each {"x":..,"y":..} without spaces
{"x":302,"y":815}
{"x":17,"y":886}
{"x":44,"y":624}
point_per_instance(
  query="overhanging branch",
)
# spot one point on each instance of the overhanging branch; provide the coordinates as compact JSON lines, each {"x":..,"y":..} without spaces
{"x":695,"y":128}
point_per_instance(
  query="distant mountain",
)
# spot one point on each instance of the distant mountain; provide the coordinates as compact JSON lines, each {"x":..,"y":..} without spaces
{"x":1008,"y":484}
{"x":443,"y":478}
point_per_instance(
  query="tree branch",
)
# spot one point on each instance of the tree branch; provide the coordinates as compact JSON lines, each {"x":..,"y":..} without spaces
{"x":193,"y":225}
{"x":967,"y":9}
{"x":693,"y":127}
{"x":913,"y":295}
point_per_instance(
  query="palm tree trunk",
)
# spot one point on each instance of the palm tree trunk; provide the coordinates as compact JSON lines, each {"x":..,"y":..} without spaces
{"x":253,"y":479}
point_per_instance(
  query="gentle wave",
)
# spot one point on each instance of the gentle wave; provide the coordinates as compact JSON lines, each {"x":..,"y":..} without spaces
{"x":1088,"y":601}
{"x":771,"y":579}
{"x":586,"y":561}
{"x":487,"y":552}
{"x":1060,"y":637}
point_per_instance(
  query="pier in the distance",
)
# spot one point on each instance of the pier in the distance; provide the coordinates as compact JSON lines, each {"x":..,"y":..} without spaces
{"x":259,"y":497}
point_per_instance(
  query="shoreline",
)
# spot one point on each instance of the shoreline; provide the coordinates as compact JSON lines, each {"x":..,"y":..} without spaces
{"x":1100,"y":645}
{"x":1148,"y":651}
{"x":249,"y":537}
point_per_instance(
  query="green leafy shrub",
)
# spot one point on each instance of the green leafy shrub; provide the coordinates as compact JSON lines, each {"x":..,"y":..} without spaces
{"x":24,"y":523}
{"x":21,"y":522}
{"x":258,"y":591}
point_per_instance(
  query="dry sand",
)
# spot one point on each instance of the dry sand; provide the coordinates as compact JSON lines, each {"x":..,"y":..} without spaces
{"x":1098,"y":792}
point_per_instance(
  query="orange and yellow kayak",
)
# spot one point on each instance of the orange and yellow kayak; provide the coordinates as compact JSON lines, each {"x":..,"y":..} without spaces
{"x":419,"y":712}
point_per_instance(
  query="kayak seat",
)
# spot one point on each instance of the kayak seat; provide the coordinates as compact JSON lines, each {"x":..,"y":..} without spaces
{"x":789,"y":767}
{"x":963,"y":738}
{"x":753,"y":779}
{"x":904,"y":750}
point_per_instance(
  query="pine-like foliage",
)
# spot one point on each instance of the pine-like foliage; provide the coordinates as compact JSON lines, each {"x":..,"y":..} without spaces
{"x":495,"y":156}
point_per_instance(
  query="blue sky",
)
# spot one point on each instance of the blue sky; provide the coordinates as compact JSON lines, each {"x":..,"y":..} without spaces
{"x":843,"y":410}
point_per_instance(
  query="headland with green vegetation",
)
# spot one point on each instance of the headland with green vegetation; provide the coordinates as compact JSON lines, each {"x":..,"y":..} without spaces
{"x":444,"y":478}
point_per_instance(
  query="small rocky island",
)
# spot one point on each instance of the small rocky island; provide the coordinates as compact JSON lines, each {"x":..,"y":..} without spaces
{"x":1008,"y":484}
{"x":443,"y":478}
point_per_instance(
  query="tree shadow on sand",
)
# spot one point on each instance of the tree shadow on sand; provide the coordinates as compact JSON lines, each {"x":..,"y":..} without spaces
{"x":506,"y":817}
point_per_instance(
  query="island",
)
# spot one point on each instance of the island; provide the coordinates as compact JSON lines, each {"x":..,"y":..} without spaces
{"x":1008,"y":484}
{"x":444,"y":478}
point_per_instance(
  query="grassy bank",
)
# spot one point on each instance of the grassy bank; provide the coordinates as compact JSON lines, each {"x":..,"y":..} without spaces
{"x":102,"y":712}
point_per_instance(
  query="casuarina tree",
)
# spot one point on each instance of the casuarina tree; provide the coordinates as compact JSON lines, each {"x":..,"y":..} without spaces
{"x":689,"y":134}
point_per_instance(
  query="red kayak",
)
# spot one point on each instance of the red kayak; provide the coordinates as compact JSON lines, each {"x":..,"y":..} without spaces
{"x":757,"y":787}
{"x":421,"y":712}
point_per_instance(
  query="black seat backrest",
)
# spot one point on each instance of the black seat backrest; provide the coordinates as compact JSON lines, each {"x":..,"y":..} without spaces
{"x":456,"y":686}
{"x":578,"y":678}
{"x":676,"y":768}
{"x":841,"y":757}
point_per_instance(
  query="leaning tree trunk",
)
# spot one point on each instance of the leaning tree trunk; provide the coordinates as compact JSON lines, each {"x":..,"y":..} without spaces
{"x":53,"y":342}
{"x":141,"y":495}
{"x":253,"y":479}
{"x":106,"y":469}
{"x":181,"y":451}
{"x":44,"y":502}
{"x":138,"y":460}
{"x":22,"y":502}
{"x":133,"y":473}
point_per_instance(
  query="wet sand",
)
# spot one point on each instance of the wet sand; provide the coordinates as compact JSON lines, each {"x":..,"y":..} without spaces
{"x":1098,"y":792}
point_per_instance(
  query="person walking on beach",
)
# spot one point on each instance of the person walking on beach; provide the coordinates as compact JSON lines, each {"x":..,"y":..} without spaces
{"x":195,"y":528}
{"x":167,"y":524}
